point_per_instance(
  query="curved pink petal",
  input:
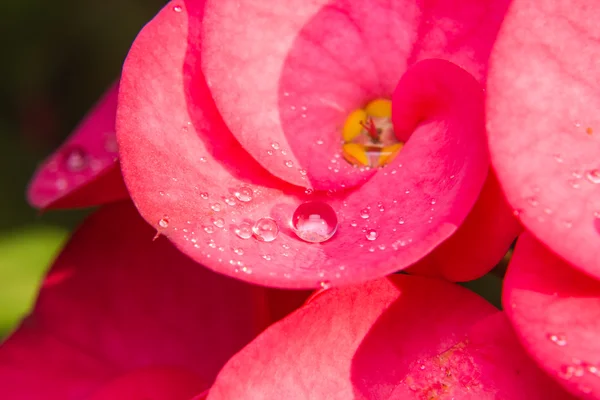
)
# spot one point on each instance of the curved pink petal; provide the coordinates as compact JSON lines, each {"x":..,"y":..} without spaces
{"x":184,"y":168}
{"x":118,"y":309}
{"x":295,"y":70}
{"x":398,"y":338}
{"x":544,"y":126}
{"x":84,"y":171}
{"x":556,"y":312}
{"x":478,"y":244}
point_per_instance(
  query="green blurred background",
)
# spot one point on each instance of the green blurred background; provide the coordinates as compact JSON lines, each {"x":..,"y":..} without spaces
{"x":59,"y":57}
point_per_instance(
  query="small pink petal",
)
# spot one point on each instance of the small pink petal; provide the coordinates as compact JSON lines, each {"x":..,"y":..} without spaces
{"x":398,"y":338}
{"x":478,"y":244}
{"x":295,"y":70}
{"x":544,"y":126}
{"x":117,"y":307}
{"x":556,"y":312}
{"x":181,"y":164}
{"x":84,"y":171}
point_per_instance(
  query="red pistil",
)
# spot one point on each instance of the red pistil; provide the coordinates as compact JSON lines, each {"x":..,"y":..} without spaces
{"x":370,"y":128}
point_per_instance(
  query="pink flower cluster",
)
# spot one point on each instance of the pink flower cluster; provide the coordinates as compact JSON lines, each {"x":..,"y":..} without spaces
{"x":230,"y":115}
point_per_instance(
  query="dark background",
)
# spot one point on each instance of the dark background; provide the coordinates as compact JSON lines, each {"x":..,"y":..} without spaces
{"x":57,"y":59}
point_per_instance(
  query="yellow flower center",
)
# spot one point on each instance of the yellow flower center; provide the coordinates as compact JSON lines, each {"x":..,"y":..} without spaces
{"x":368,"y":134}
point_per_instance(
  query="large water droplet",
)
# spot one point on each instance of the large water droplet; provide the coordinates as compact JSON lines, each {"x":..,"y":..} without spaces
{"x":371,"y":234}
{"x":265,"y":229}
{"x":76,"y":159}
{"x":314,"y":221}
{"x":244,"y":193}
{"x":244,"y":230}
{"x":593,"y":175}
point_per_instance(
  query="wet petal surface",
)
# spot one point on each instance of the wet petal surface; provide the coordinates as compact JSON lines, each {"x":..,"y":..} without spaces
{"x":84,"y":171}
{"x":544,"y":125}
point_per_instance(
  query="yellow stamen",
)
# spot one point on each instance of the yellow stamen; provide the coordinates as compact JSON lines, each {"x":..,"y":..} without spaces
{"x":355,"y":154}
{"x":379,"y":108}
{"x":352,"y":126}
{"x":388,"y":153}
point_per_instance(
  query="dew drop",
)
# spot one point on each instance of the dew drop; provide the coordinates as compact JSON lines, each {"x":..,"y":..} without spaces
{"x":265,"y":229}
{"x":266,"y":257}
{"x":209,"y":229}
{"x":203,"y":159}
{"x":558,"y":339}
{"x":215,"y":207}
{"x":204,"y":196}
{"x":353,"y":224}
{"x":314,"y":221}
{"x":302,"y":172}
{"x":325,"y":284}
{"x":238,"y":251}
{"x":218,"y":222}
{"x":593,"y":176}
{"x":371,"y":234}
{"x":243,"y":230}
{"x":244,"y":194}
{"x":289,"y":163}
{"x":320,"y":142}
{"x":275,"y":145}
{"x":270,"y":152}
{"x":177,"y":8}
{"x":164,"y":222}
{"x":230,"y":201}
{"x":76,"y":160}
{"x":364,"y":213}
{"x":401,"y":221}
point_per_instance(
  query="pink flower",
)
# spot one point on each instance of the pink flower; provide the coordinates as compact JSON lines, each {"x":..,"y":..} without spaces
{"x":542,"y":109}
{"x":239,"y":110}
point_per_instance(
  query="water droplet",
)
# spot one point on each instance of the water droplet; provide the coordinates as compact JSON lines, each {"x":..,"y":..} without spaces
{"x":364,"y":213}
{"x":371,"y":234}
{"x":218,"y":222}
{"x":593,"y":175}
{"x":265,"y":229}
{"x":432,"y":202}
{"x":215,"y":207}
{"x":164,"y":222}
{"x":203,"y":159}
{"x":533,"y":201}
{"x":559,"y":339}
{"x":243,"y":230}
{"x":230,"y":201}
{"x":161,"y":193}
{"x":302,"y":172}
{"x":270,"y":152}
{"x":209,"y":229}
{"x":309,"y":191}
{"x":244,"y":194}
{"x":238,"y":251}
{"x":353,"y":224}
{"x":314,"y":221}
{"x":401,"y":221}
{"x":325,"y":284}
{"x":76,"y":159}
{"x":289,"y":164}
{"x":177,"y":8}
{"x":266,"y":257}
{"x":275,"y":145}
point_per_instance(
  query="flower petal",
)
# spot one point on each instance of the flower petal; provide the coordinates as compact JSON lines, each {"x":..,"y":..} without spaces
{"x":84,"y":171}
{"x":544,"y":126}
{"x":296,"y":70}
{"x":556,"y":312}
{"x":117,"y":306}
{"x":185,"y":171}
{"x":398,"y":338}
{"x":478,"y":244}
